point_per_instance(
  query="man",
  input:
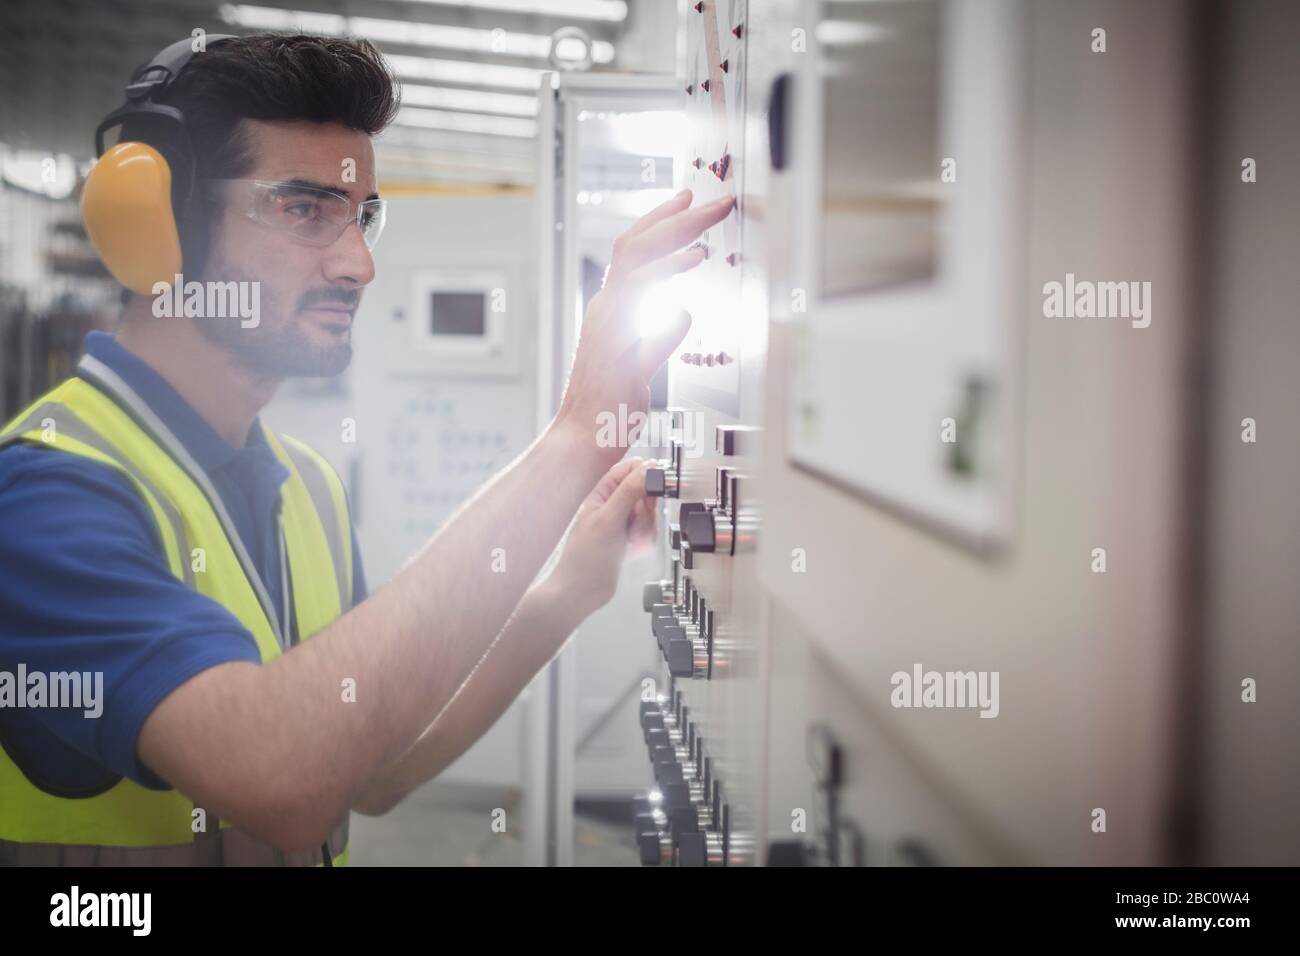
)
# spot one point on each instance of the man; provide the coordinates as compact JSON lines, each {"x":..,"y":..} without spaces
{"x":155,"y":532}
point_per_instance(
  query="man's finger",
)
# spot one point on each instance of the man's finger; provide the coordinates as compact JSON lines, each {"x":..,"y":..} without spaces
{"x":664,"y":268}
{"x":659,"y":213}
{"x":666,"y":236}
{"x":641,"y":525}
{"x":612,"y":478}
{"x":629,"y":491}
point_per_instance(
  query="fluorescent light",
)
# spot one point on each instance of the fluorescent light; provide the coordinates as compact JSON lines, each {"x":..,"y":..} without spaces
{"x":465,"y":72}
{"x":469,"y":39}
{"x":273,"y":18}
{"x":452,"y":38}
{"x":613,"y":11}
{"x":475,"y":101}
{"x":466,"y":122}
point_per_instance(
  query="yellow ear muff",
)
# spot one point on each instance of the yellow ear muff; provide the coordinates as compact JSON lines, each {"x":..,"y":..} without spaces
{"x":127,"y":206}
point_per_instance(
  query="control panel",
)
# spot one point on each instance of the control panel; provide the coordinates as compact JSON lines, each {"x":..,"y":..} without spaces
{"x":712,"y":164}
{"x":865,"y":491}
{"x":685,"y":820}
{"x":705,"y":727}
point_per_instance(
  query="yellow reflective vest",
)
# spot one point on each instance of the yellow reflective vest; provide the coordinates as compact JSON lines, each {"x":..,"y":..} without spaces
{"x":127,"y":824}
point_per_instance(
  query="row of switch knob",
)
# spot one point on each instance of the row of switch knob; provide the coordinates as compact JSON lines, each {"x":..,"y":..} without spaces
{"x":685,"y":820}
{"x":682,"y":625}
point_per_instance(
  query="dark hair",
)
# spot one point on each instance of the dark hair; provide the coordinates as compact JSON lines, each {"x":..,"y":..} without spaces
{"x":269,"y":76}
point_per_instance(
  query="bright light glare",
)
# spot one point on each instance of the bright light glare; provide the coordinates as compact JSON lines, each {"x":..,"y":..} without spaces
{"x":648,"y":133}
{"x":656,"y":311}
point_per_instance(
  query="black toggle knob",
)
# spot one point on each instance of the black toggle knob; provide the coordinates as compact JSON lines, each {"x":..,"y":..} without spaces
{"x":651,"y":594}
{"x":668,"y":772}
{"x":670,"y":634}
{"x":791,"y":853}
{"x":676,"y":795}
{"x":662,"y":483}
{"x":684,"y":819}
{"x":692,"y":849}
{"x":647,"y":842}
{"x":697,"y":529}
{"x":661,"y":616}
{"x":680,"y":654}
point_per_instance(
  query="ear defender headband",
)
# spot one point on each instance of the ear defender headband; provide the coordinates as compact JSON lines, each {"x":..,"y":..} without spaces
{"x":133,"y":194}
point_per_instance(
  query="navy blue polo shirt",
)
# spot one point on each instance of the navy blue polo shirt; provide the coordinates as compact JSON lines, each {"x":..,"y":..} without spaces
{"x":84,"y":586}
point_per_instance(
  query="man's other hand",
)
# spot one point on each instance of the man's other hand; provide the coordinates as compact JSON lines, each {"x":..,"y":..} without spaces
{"x":615,"y":520}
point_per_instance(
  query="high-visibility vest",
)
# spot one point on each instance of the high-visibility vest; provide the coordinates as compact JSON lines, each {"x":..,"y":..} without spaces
{"x":123,"y":823}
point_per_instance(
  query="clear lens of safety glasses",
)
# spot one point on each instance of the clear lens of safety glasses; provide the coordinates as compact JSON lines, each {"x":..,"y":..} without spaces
{"x":314,"y":215}
{"x":372,"y":215}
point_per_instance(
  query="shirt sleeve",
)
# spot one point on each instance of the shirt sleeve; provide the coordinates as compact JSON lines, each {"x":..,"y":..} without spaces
{"x":84,"y":587}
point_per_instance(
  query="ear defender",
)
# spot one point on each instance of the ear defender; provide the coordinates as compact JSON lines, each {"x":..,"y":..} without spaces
{"x":127,"y":200}
{"x":127,"y":207}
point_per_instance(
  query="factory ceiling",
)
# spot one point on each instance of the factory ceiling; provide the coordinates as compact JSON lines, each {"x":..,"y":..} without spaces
{"x":63,"y":64}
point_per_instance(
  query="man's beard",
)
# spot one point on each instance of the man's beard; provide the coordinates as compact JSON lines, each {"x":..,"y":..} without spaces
{"x":278,"y":346}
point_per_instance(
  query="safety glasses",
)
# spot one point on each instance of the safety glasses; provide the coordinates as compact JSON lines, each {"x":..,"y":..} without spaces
{"x":314,"y":215}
